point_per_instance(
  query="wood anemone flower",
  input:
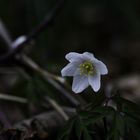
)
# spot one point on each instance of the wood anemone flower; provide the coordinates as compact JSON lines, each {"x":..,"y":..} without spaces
{"x":85,"y":69}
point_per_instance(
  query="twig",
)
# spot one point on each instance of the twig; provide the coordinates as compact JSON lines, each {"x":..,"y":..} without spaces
{"x":47,"y":20}
{"x":12,"y":98}
{"x":47,"y":76}
{"x":12,"y":54}
{"x":4,"y":34}
{"x":44,"y":24}
{"x":51,"y":118}
{"x":57,"y":108}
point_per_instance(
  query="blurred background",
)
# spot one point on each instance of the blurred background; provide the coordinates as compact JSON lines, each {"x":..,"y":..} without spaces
{"x":109,"y":29}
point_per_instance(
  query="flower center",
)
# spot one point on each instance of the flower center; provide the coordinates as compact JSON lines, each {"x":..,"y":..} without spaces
{"x":86,"y":68}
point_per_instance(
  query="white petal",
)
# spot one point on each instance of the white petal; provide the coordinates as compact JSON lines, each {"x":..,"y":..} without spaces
{"x":74,"y":57}
{"x":77,"y":72}
{"x":101,"y":67}
{"x":95,"y":82}
{"x":69,"y":69}
{"x":88,"y":56}
{"x":79,"y":83}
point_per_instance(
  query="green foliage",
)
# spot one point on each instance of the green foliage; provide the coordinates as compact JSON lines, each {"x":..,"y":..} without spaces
{"x":130,"y":117}
{"x":78,"y":127}
{"x":91,"y":117}
{"x":117,"y":127}
{"x":75,"y":129}
{"x":128,"y":107}
{"x":121,"y":122}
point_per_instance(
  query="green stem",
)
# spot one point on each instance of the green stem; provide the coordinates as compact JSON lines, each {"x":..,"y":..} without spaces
{"x":104,"y":119}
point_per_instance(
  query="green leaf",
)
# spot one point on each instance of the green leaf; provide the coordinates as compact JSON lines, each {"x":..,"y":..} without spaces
{"x":93,"y":119}
{"x":78,"y":127}
{"x":97,"y":114}
{"x":117,"y":127}
{"x":86,"y":135}
{"x":75,"y":129}
{"x":66,"y":130}
{"x":81,"y":130}
{"x":128,"y":107}
{"x":130,"y":118}
{"x":105,"y":110}
{"x":133,"y":127}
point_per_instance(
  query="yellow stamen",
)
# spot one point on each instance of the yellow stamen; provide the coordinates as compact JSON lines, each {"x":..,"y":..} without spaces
{"x":86,"y":68}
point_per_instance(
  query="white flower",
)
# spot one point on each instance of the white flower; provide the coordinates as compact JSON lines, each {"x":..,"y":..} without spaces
{"x":85,"y":69}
